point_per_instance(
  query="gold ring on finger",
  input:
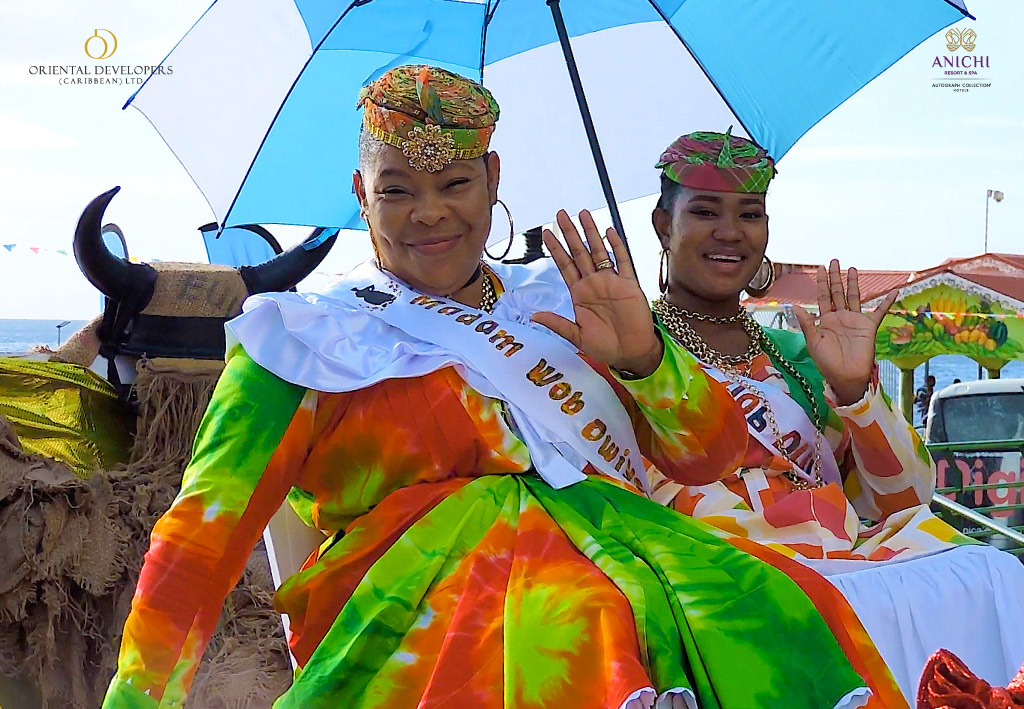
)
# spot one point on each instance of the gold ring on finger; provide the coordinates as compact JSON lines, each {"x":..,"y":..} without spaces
{"x":607,"y":263}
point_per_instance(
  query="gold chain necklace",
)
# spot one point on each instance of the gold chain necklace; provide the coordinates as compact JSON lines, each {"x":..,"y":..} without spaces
{"x":675,"y":321}
{"x":703,"y":317}
{"x":488,"y":295}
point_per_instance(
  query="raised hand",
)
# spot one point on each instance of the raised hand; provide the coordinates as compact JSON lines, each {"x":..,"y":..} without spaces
{"x":841,"y":339}
{"x":613,"y":319}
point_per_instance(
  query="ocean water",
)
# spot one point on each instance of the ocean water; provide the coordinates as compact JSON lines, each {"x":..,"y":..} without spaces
{"x":17,"y":336}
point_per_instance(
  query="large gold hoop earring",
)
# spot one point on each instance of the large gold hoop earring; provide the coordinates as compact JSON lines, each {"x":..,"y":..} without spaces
{"x":511,"y":234}
{"x":663,"y":272}
{"x":762,"y":280}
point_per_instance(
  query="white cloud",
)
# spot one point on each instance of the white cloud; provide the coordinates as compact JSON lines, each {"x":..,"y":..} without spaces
{"x":18,"y":134}
{"x":876,"y":152}
{"x":16,"y":75}
{"x":29,"y":11}
{"x":994,"y":122}
{"x":153,"y":50}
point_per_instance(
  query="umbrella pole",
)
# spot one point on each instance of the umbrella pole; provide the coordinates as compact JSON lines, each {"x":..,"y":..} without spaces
{"x":588,"y":121}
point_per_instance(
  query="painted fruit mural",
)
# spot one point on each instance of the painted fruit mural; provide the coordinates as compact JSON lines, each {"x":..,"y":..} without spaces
{"x":943,"y":319}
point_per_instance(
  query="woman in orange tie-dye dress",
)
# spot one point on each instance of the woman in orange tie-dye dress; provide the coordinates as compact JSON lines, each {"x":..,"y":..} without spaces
{"x":480,"y":485}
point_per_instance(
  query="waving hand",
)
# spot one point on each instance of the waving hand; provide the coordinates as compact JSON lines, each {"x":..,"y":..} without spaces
{"x":613,"y":319}
{"x":841,"y":339}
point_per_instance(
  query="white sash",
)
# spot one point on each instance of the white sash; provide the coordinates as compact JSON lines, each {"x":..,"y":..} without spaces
{"x":798,"y":433}
{"x":565,"y":412}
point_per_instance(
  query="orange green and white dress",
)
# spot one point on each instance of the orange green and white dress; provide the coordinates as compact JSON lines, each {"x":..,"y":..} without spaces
{"x":455,"y":573}
{"x":916,"y":583}
{"x":878,"y":511}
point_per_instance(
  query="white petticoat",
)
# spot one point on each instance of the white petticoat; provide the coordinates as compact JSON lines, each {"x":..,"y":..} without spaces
{"x":968,"y":600}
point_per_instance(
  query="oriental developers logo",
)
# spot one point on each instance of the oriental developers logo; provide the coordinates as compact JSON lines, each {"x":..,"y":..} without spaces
{"x":961,"y":71}
{"x":101,"y":45}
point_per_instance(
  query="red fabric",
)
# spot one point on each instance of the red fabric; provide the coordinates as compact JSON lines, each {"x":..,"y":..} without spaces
{"x":947,"y":683}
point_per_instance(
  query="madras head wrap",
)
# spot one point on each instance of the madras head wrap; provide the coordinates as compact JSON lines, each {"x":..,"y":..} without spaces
{"x":432,"y":115}
{"x":717,"y":161}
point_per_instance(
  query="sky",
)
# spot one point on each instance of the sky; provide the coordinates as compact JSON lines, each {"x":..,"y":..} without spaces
{"x":895,"y":178}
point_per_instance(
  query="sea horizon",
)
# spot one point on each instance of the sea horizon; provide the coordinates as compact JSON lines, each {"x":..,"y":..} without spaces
{"x":20,"y":335}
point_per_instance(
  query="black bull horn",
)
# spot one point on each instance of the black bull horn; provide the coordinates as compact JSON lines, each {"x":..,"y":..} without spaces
{"x":117,"y":278}
{"x":113,"y":276}
{"x":282,"y":272}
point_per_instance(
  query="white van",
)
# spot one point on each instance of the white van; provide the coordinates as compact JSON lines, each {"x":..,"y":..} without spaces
{"x":990,"y":477}
{"x":987,"y":410}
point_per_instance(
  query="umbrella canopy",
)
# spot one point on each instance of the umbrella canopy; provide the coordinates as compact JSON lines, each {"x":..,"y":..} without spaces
{"x":257,"y":100}
{"x":239,"y":246}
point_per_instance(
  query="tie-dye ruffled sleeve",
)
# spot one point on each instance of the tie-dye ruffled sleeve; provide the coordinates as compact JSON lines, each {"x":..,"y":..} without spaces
{"x":686,"y":423}
{"x":885,"y":464}
{"x":242,"y":466}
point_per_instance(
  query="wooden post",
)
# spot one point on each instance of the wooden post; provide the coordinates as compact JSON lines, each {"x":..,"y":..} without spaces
{"x":907,"y":394}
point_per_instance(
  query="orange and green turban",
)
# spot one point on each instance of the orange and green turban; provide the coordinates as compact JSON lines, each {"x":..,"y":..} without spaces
{"x":432,"y":115}
{"x":718,"y":162}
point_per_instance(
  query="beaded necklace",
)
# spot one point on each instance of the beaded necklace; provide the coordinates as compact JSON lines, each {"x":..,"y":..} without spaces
{"x":733,"y":367}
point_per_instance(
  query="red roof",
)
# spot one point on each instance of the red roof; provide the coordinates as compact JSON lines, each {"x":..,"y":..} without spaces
{"x":1014,"y":259}
{"x":797,"y":283}
{"x":1011,"y":286}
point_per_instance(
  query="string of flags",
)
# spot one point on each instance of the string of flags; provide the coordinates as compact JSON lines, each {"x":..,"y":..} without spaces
{"x":11,"y":248}
{"x":42,"y":250}
{"x":951,"y":316}
{"x":36,"y":249}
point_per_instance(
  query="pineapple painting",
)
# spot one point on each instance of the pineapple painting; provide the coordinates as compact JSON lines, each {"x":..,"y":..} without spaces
{"x":944,"y":319}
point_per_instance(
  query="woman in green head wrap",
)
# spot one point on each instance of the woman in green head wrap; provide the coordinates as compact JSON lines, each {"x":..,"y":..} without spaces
{"x":816,"y":424}
{"x":821,"y":467}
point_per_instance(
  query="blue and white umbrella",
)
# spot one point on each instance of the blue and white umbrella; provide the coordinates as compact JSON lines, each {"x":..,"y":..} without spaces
{"x":258,"y":99}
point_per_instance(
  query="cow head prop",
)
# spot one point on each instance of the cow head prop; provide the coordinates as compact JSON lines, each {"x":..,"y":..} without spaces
{"x":178,"y":310}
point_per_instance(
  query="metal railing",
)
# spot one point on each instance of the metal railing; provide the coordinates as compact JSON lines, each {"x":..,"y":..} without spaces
{"x":1011,"y":533}
{"x":1014,"y":445}
{"x":1008,"y":537}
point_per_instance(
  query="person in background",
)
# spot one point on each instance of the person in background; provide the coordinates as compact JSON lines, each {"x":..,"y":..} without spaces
{"x":923,"y":398}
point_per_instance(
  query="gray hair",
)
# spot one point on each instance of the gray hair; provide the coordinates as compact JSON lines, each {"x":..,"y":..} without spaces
{"x":369,"y":149}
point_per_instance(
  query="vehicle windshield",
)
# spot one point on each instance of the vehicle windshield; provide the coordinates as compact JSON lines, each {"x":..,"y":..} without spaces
{"x":979,"y":417}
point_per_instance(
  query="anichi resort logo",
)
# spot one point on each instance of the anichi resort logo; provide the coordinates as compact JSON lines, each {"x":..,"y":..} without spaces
{"x":956,"y":39}
{"x":961,"y":71}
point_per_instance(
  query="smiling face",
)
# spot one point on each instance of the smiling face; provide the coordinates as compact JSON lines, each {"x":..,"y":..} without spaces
{"x":429,"y":228}
{"x":716,"y":241}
